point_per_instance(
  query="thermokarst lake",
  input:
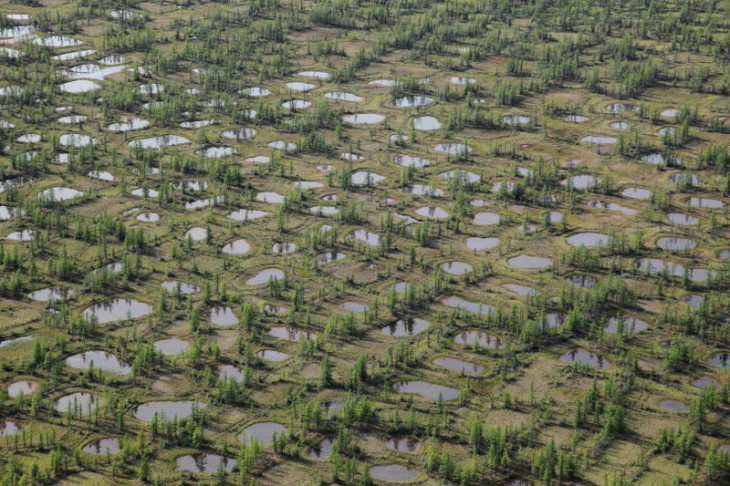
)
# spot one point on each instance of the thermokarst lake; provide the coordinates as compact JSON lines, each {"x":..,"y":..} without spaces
{"x":360,"y":243}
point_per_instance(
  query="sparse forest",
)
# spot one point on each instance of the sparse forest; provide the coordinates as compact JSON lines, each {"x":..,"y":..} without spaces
{"x":365,"y":242}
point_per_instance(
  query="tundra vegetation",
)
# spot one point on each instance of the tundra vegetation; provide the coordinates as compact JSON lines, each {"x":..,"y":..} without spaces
{"x":358,"y":242}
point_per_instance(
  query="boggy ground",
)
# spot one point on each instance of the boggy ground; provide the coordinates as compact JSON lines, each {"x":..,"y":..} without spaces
{"x":364,"y":242}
